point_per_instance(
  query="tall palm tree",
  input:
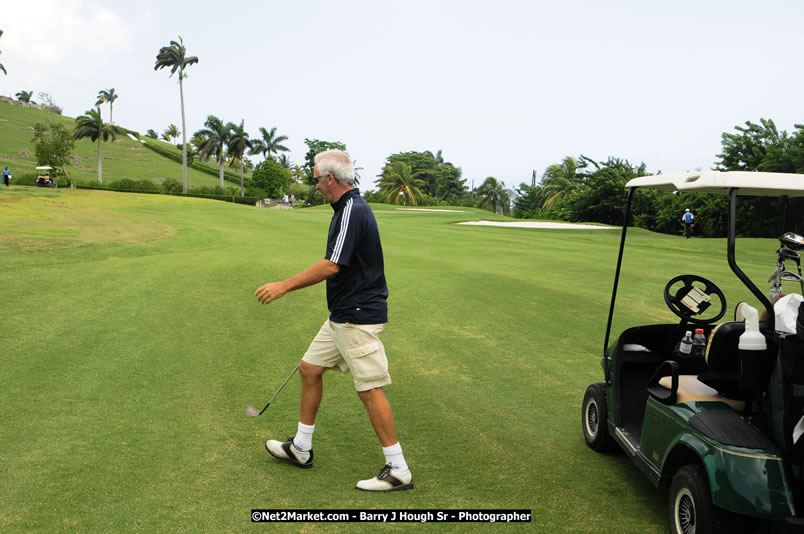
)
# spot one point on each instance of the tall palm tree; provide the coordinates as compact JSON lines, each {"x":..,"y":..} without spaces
{"x":152,"y":134}
{"x":399,"y":185}
{"x":174,"y":57}
{"x":172,"y":132}
{"x":91,"y":125}
{"x":270,"y":143}
{"x":216,"y":135}
{"x":25,"y":96}
{"x":357,"y":173}
{"x":192,"y":154}
{"x":494,"y":195}
{"x":559,"y":179}
{"x":257,"y":147}
{"x":237,"y":145}
{"x":1,"y":65}
{"x":108,"y":95}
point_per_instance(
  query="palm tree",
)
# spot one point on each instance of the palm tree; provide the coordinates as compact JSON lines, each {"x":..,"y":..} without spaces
{"x":172,"y":132}
{"x":284,"y":160}
{"x":1,"y":65}
{"x":174,"y":56}
{"x":494,"y":195}
{"x":356,"y":169}
{"x":270,"y":143}
{"x":237,"y":145}
{"x":91,"y":125}
{"x":399,"y":185}
{"x":25,"y":96}
{"x":108,"y":96}
{"x":152,"y":134}
{"x":216,"y":135}
{"x":559,"y":179}
{"x":297,"y":174}
{"x":192,"y":153}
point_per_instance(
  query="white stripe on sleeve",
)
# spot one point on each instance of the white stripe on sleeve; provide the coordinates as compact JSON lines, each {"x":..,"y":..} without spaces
{"x":347,"y":211}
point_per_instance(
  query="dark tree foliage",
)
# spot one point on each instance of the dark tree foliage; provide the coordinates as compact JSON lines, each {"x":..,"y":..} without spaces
{"x":315,"y":146}
{"x":271,"y":177}
{"x":441,"y":180}
{"x":528,"y":202}
{"x":53,"y":144}
{"x":601,"y":195}
{"x":761,"y":147}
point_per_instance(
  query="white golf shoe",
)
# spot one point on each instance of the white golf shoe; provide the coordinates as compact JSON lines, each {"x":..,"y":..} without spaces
{"x":287,"y":451}
{"x":387,"y":480}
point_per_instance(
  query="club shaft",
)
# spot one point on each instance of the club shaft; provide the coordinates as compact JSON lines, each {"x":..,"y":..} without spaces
{"x":280,"y":388}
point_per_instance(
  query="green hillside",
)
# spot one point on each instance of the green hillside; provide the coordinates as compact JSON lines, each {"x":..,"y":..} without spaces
{"x":123,"y":158}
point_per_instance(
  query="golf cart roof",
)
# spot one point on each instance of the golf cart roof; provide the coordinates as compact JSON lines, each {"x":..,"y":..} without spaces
{"x":45,"y":168}
{"x":748,"y":183}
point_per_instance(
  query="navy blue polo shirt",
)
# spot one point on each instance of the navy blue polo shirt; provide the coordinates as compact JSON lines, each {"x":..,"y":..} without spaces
{"x":358,"y":292}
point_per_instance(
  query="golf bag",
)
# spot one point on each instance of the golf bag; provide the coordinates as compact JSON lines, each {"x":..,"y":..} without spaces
{"x":786,"y":405}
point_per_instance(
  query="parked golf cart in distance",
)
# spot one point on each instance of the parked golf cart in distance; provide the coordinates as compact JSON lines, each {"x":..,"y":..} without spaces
{"x":44,"y":177}
{"x":720,"y":431}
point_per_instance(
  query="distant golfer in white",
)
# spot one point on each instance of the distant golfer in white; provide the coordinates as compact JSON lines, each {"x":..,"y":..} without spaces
{"x":687,"y":219}
{"x":348,"y":341}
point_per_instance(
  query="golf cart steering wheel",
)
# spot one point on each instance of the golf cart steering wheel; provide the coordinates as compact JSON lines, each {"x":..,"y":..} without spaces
{"x":691,"y":300}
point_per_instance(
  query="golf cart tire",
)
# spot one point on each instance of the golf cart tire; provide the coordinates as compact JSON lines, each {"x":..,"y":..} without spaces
{"x":595,"y":419}
{"x":690,"y":505}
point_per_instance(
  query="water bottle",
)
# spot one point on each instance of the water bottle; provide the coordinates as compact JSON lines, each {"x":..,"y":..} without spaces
{"x":685,"y":346}
{"x":699,"y":343}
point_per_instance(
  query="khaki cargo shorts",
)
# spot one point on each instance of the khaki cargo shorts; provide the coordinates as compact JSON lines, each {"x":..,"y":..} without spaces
{"x":354,"y":348}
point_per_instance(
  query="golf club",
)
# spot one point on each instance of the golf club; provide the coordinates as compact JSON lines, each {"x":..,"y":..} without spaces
{"x":252,"y":411}
{"x":785,"y":253}
{"x":792,"y":241}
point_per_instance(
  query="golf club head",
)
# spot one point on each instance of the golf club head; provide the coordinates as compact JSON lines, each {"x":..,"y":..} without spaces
{"x":788,"y":254}
{"x":790,"y":276}
{"x":792,"y":240}
{"x":252,"y":411}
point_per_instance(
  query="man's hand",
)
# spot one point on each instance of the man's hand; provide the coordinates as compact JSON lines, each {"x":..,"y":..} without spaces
{"x":270,"y":292}
{"x":317,"y":272}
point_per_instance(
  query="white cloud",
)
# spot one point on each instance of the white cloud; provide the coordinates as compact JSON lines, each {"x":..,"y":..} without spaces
{"x":62,"y":33}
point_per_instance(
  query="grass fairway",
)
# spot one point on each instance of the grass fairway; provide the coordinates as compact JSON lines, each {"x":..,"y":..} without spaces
{"x":132,"y":343}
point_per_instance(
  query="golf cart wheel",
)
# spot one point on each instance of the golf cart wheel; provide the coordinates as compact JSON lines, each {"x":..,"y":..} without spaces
{"x":690,"y":503}
{"x":595,"y":418}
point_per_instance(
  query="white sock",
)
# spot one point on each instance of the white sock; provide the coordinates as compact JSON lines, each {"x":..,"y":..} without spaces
{"x":393,"y":456}
{"x":304,"y":437}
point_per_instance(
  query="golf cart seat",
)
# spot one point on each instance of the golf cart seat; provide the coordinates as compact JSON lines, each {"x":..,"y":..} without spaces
{"x":722,"y":381}
{"x":691,"y":389}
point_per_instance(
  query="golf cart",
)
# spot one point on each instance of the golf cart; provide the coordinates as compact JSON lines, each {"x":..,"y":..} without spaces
{"x":721,"y":428}
{"x":44,"y":177}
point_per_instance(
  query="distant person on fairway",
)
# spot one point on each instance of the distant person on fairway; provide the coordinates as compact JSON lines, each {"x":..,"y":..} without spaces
{"x":348,"y":341}
{"x":6,"y":176}
{"x":687,"y":219}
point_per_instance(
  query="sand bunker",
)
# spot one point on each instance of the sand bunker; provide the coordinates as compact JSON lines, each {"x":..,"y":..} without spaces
{"x":536,"y":224}
{"x":427,"y":209}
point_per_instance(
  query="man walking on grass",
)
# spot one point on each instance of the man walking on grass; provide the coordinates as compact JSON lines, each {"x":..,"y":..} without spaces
{"x":349,"y":340}
{"x":687,"y":219}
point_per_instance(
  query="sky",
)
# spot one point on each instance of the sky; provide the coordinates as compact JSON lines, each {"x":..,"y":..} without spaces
{"x":502,"y":87}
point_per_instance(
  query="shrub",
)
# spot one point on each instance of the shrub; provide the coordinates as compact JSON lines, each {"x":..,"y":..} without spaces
{"x":127,"y":184}
{"x":24,"y":179}
{"x":171,"y":186}
{"x":271,"y":177}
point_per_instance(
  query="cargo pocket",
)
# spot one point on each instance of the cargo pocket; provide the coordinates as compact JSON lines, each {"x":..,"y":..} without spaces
{"x":368,"y":362}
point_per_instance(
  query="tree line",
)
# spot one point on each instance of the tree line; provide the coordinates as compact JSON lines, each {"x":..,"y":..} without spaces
{"x":584,"y":190}
{"x":576,"y":189}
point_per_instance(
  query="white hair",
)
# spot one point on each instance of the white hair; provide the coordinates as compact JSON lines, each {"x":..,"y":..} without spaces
{"x":338,"y":163}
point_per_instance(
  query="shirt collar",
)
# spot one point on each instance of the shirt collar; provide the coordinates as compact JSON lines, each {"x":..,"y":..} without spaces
{"x":345,"y":197}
